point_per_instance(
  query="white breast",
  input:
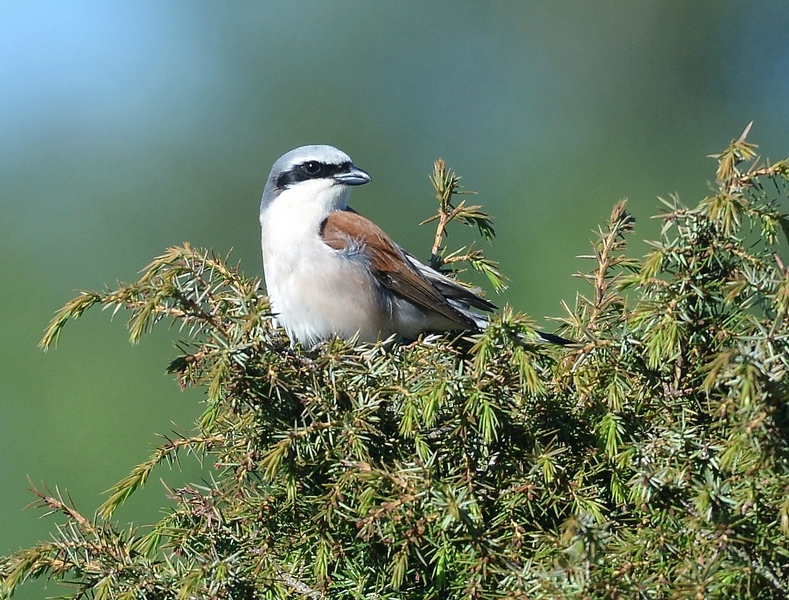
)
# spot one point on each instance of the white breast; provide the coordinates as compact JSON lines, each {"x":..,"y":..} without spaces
{"x":316,"y":291}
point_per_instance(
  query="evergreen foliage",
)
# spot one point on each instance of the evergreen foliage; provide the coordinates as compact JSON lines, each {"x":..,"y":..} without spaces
{"x":649,"y":460}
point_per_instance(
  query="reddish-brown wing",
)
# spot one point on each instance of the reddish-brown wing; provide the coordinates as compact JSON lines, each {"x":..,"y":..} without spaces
{"x":344,"y":228}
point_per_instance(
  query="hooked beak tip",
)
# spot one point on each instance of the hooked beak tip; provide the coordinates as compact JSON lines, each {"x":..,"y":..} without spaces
{"x":354,"y":176}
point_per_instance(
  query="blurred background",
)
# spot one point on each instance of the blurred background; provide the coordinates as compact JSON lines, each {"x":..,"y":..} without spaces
{"x":127,"y":127}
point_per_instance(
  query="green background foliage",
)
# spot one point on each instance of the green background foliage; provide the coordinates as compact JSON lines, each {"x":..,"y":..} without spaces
{"x":646,"y":460}
{"x":129,"y":127}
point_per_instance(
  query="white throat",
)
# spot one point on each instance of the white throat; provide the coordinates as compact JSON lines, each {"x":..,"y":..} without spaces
{"x":300,"y":269}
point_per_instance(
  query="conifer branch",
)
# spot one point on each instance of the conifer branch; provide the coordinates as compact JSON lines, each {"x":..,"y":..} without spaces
{"x":647,"y":462}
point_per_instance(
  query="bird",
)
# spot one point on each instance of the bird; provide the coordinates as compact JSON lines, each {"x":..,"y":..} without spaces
{"x":331,"y":272}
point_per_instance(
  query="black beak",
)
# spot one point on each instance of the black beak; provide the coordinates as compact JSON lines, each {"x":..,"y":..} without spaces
{"x":353,"y":176}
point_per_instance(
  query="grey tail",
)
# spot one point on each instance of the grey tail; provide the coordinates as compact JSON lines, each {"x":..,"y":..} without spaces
{"x":552,"y":338}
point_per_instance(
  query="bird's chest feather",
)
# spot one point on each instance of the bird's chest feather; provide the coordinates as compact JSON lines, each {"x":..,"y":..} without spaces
{"x":312,"y":285}
{"x":294,"y":252}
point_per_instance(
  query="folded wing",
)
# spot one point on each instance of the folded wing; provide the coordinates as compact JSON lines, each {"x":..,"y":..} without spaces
{"x":401,"y":273}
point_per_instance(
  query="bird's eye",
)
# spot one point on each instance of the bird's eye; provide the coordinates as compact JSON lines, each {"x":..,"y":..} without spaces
{"x":312,"y":168}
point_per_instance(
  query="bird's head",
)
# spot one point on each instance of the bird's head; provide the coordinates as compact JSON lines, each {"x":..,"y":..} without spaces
{"x":320,"y":175}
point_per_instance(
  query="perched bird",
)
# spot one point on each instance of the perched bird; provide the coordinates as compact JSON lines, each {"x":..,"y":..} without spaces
{"x":330,"y":271}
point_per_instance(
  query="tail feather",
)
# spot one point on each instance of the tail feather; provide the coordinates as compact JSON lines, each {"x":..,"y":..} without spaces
{"x":465,"y":299}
